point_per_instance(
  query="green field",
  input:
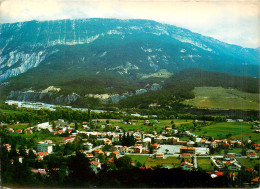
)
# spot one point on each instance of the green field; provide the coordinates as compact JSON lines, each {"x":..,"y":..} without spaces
{"x":249,"y":162}
{"x":141,"y":127}
{"x":205,"y":163}
{"x":138,"y":158}
{"x":170,"y":161}
{"x":237,"y":130}
{"x":18,"y":126}
{"x":220,"y":98}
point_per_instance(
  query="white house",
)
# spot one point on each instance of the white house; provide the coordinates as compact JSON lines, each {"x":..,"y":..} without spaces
{"x":44,"y":147}
{"x":44,"y":125}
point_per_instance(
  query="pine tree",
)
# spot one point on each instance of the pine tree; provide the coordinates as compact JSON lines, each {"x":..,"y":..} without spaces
{"x":76,"y":126}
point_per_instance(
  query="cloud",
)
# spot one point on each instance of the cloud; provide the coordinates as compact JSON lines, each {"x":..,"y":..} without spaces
{"x":232,"y":22}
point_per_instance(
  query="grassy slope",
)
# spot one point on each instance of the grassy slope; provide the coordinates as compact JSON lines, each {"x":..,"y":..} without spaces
{"x":218,"y":97}
{"x":238,"y":131}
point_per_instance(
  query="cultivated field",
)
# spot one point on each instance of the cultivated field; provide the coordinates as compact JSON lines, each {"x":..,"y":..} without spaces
{"x":220,"y":98}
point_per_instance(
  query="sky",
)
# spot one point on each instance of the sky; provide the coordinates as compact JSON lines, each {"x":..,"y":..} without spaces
{"x":234,"y":22}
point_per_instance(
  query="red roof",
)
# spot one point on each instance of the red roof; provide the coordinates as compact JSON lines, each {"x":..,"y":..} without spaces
{"x":187,"y":148}
{"x":250,"y":170}
{"x":7,"y":145}
{"x":95,"y":163}
{"x":186,"y":154}
{"x":147,"y":167}
{"x":41,"y":153}
{"x":111,"y":160}
{"x":89,"y":155}
{"x":39,"y":171}
{"x":255,"y":179}
{"x":219,"y":173}
{"x":116,"y":152}
{"x":60,"y":131}
{"x":18,"y":130}
{"x":230,"y":155}
{"x":67,"y":138}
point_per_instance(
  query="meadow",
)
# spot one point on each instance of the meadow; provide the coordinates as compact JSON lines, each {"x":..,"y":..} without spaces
{"x":203,"y":162}
{"x":237,"y":130}
{"x":220,"y":98}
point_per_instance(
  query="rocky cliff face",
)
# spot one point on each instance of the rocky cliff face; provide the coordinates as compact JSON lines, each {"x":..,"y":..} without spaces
{"x":52,"y":95}
{"x":45,"y":96}
{"x":124,"y":46}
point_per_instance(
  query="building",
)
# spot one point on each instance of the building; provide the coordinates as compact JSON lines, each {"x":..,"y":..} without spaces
{"x":44,"y":147}
{"x":187,"y":149}
{"x":187,"y":166}
{"x":251,"y":153}
{"x":45,"y":125}
{"x":68,"y":139}
{"x":159,"y":156}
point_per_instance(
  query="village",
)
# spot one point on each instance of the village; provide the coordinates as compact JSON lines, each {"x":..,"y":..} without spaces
{"x":168,"y":148}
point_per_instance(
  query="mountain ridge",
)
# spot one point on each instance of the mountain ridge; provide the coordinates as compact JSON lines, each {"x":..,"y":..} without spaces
{"x":27,"y":45}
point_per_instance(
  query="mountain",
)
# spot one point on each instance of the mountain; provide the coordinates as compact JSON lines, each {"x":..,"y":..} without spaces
{"x":125,"y":46}
{"x":72,"y":59}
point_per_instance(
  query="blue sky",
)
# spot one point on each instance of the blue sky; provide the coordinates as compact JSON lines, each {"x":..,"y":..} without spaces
{"x":234,"y":22}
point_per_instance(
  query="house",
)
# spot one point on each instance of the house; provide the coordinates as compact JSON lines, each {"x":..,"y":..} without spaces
{"x":146,"y":122}
{"x":111,"y":160}
{"x":123,"y":149}
{"x":40,"y":155}
{"x":174,"y":140}
{"x":85,"y":127}
{"x":156,"y":146}
{"x":8,"y":147}
{"x":115,"y":139}
{"x":90,"y":155}
{"x":27,"y":131}
{"x":10,"y":130}
{"x":95,"y":166}
{"x":20,"y":159}
{"x":116,"y":153}
{"x":58,"y":132}
{"x":41,"y":171}
{"x":251,"y":153}
{"x":187,"y":149}
{"x":68,"y":139}
{"x":138,"y":149}
{"x":88,"y":144}
{"x":116,"y":127}
{"x":44,"y":125}
{"x":187,"y":166}
{"x":190,"y":143}
{"x":257,"y":147}
{"x":230,"y":120}
{"x":159,"y":156}
{"x":233,"y":167}
{"x":44,"y":147}
{"x":19,"y":131}
{"x":98,"y":151}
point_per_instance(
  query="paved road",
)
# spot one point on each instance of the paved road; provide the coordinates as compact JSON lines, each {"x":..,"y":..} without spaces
{"x":195,"y":162}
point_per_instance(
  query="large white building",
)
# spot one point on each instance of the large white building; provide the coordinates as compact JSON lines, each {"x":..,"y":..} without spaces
{"x":44,"y":147}
{"x":45,"y":125}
